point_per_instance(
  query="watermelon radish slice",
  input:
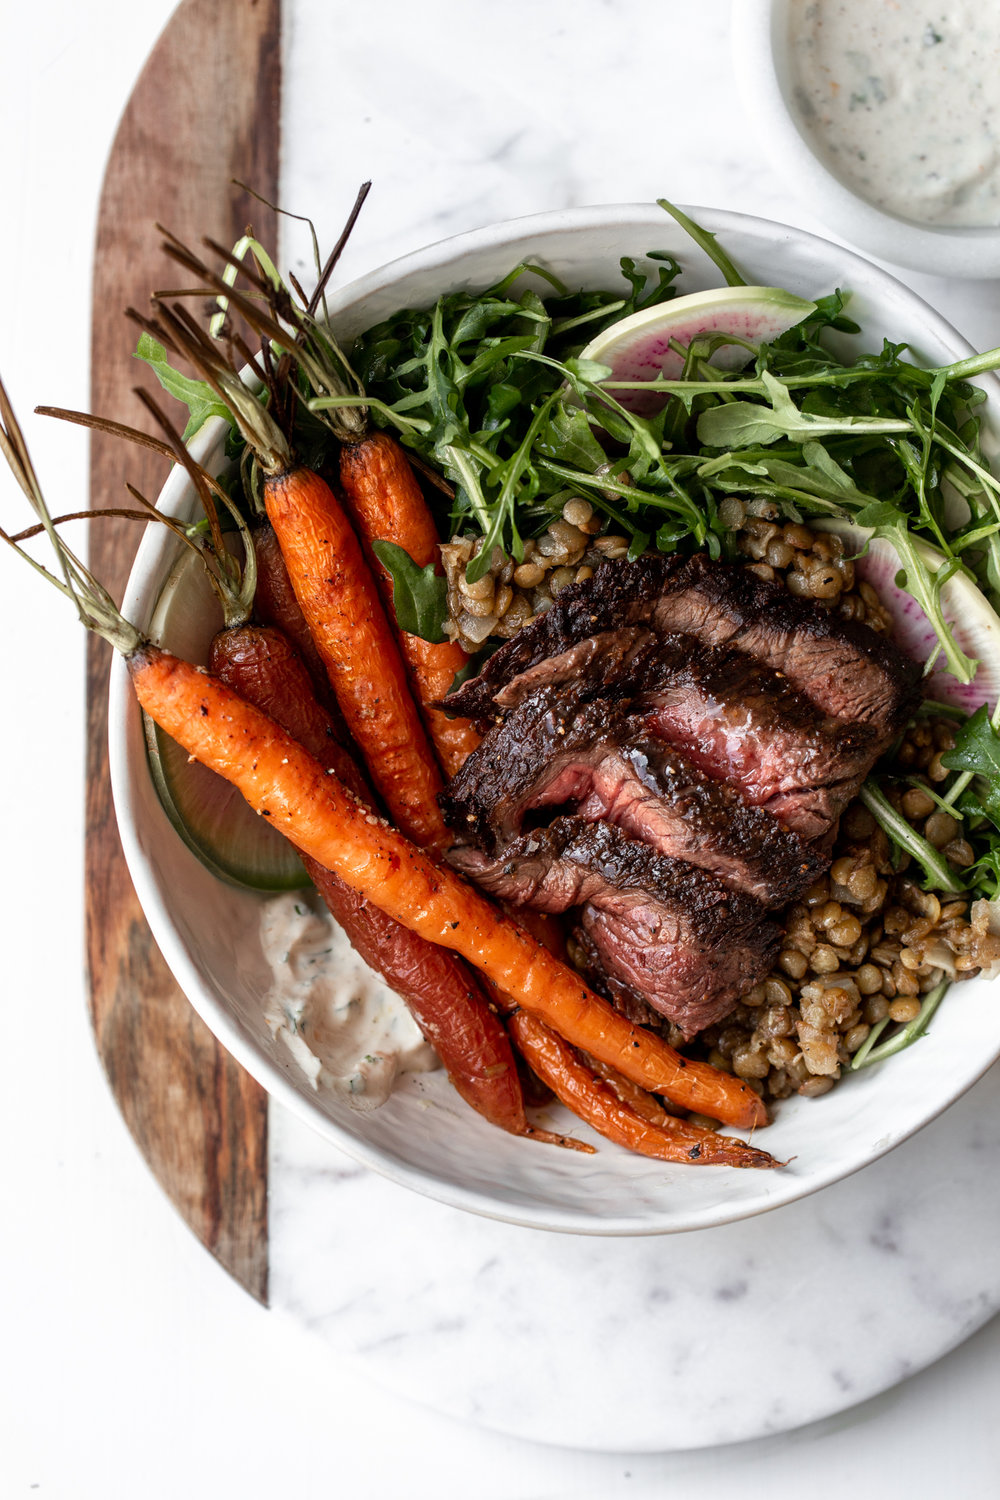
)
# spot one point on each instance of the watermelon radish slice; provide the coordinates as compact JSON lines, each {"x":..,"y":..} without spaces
{"x":210,"y":815}
{"x":974,"y":624}
{"x":638,"y":347}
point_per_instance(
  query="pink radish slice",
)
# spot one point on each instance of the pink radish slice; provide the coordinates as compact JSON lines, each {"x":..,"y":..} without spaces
{"x":974,"y":624}
{"x":638,"y":347}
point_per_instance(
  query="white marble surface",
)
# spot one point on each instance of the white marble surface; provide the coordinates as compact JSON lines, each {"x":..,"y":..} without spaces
{"x":681,"y":1341}
{"x":131,"y":1364}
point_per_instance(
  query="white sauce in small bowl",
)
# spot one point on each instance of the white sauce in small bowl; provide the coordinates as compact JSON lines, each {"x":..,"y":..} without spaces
{"x":901,"y":100}
{"x":349,"y":1033}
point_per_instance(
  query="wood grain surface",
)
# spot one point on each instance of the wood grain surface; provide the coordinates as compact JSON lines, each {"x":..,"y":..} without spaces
{"x":205,"y":110}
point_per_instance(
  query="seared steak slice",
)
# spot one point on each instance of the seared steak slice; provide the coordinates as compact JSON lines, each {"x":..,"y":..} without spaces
{"x":583,"y":669}
{"x":618,"y":596}
{"x":846,"y":669}
{"x":843,"y":667}
{"x":745,"y":724}
{"x":685,"y":943}
{"x":544,"y":755}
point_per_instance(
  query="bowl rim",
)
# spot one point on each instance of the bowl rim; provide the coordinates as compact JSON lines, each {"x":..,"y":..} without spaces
{"x":223,"y":1024}
{"x":968,"y":251}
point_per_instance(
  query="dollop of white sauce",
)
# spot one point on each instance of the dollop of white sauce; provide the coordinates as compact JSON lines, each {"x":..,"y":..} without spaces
{"x":901,"y":100}
{"x":348,"y":1031}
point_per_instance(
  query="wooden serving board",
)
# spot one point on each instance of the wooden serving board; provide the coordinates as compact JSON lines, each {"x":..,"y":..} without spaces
{"x":205,"y":111}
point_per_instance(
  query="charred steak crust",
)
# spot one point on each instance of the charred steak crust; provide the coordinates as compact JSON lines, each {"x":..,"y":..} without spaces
{"x":545,"y":754}
{"x":842,"y":666}
{"x":619,"y":594}
{"x":584,"y":669}
{"x":679,"y":937}
{"x":573,"y":861}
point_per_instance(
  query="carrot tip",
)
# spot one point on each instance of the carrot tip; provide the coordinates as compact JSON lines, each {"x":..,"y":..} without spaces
{"x":551,"y":1138}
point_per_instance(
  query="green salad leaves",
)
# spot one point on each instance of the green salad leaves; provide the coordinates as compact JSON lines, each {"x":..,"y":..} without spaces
{"x":518,"y":424}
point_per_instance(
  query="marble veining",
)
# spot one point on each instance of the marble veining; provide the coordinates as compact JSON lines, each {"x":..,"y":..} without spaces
{"x":629,"y":1344}
{"x":632,"y":1344}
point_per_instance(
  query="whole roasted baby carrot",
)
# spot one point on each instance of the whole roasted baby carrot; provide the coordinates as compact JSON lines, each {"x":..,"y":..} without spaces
{"x":445,"y":1000}
{"x":285,"y":784}
{"x":379,"y":483}
{"x":340,"y":602}
{"x":387,"y":505}
{"x":592,"y":1098}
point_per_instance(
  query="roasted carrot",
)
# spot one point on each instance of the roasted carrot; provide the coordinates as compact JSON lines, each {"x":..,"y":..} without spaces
{"x":585,"y":1083}
{"x":340,"y":602}
{"x":629,"y":1093}
{"x":334,"y":586}
{"x":387,"y":504}
{"x":261,"y":665}
{"x":279,"y":778}
{"x":274,"y":603}
{"x":594,"y":1099}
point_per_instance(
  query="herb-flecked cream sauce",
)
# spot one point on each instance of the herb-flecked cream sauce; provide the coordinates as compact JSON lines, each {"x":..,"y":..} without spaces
{"x":902,"y":101}
{"x":350,"y":1034}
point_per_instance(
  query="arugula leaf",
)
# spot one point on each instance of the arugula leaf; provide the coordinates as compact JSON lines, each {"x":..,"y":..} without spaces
{"x":707,"y":242}
{"x":925,"y":583}
{"x":817,"y":484}
{"x":419,"y":595}
{"x":985,"y":873}
{"x":977,"y":750}
{"x":739,"y":424}
{"x":197,"y":395}
{"x":569,"y":439}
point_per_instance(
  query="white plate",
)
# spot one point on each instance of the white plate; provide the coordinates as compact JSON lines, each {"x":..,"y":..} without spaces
{"x":425,"y":1138}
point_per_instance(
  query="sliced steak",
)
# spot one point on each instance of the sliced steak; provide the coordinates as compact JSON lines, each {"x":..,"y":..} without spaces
{"x":842,"y":666}
{"x":582,"y":669}
{"x":685,"y":943}
{"x":620,"y":595}
{"x":546,"y":755}
{"x":622,"y":996}
{"x":747,"y":726}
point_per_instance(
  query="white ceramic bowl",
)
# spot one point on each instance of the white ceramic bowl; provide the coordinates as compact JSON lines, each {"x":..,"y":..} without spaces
{"x":764,"y":75}
{"x":425,"y":1137}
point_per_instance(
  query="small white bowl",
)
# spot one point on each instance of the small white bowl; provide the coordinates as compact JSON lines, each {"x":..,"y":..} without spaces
{"x":764,"y":77}
{"x":425,"y":1137}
